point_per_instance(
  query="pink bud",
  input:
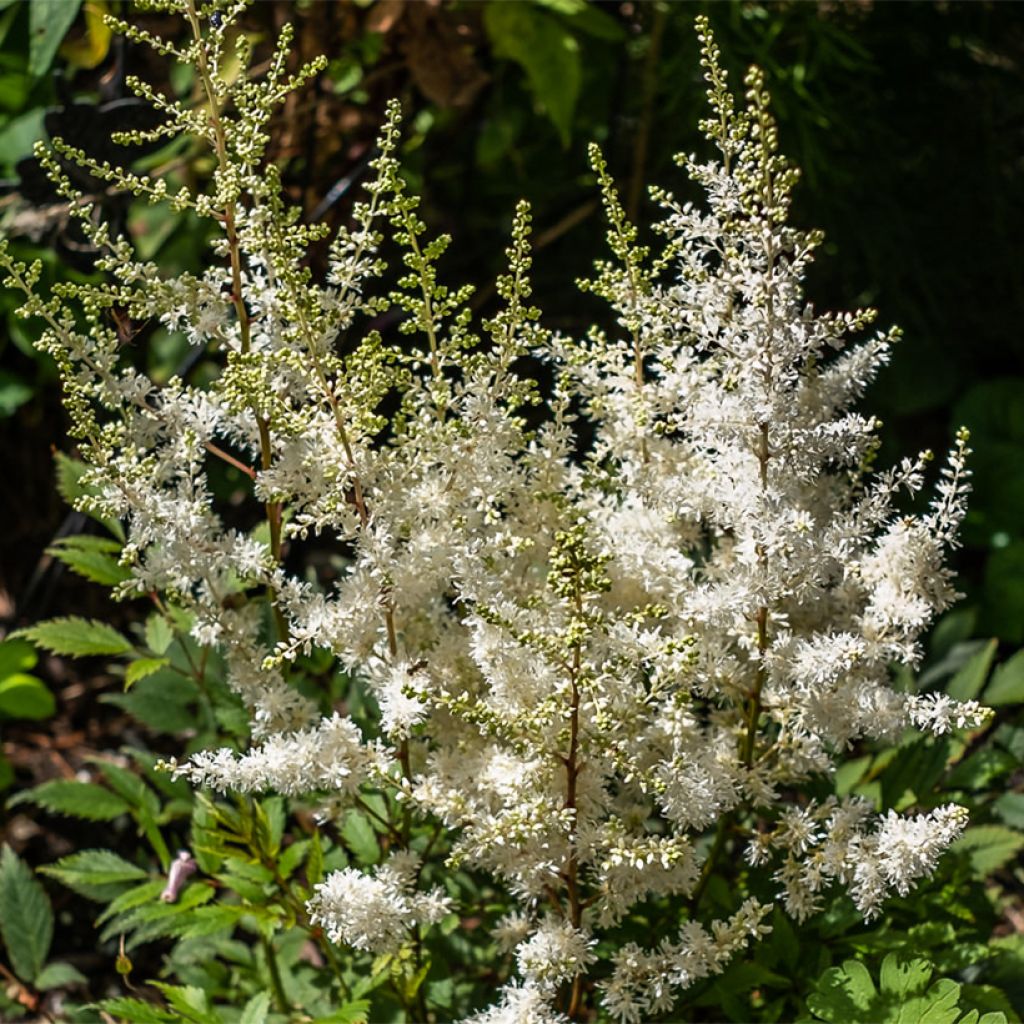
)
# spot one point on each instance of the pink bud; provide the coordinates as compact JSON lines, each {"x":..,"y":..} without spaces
{"x":181,"y":867}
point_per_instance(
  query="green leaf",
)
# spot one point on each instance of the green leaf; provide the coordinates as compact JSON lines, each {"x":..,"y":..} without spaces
{"x":26,"y":920}
{"x":354,"y":1012}
{"x":360,"y":838}
{"x":16,"y":656}
{"x":545,"y":49}
{"x":59,"y":975}
{"x":190,"y":1001}
{"x":1007,"y":685}
{"x":23,"y":696}
{"x":967,"y":682}
{"x":49,"y":21}
{"x":14,"y":392}
{"x":77,"y":637}
{"x":159,"y":634}
{"x":76,"y":799}
{"x":989,"y":847}
{"x":163,"y":701}
{"x":981,"y":769}
{"x":96,"y":874}
{"x":95,"y":558}
{"x":844,"y":994}
{"x":69,"y":482}
{"x":142,"y":668}
{"x":255,"y":1011}
{"x":1010,"y":807}
{"x":137,"y":1011}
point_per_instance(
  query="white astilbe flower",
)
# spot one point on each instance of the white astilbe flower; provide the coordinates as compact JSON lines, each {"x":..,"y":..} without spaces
{"x":519,"y":1004}
{"x":644,"y":984}
{"x":330,"y":756}
{"x":555,"y":953}
{"x":375,"y":913}
{"x":844,"y":842}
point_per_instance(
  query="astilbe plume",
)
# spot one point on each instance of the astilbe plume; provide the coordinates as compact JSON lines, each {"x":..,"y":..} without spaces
{"x":585,"y":660}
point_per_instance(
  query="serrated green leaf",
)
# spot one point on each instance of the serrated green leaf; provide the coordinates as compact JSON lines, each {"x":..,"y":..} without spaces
{"x":77,"y":637}
{"x":148,"y":892}
{"x":967,"y":682}
{"x":1007,"y":685}
{"x":124,"y":782}
{"x":190,"y":1001}
{"x":95,"y":558}
{"x":85,"y":800}
{"x":69,"y":483}
{"x":141,"y":669}
{"x":990,"y":847}
{"x":96,"y":874}
{"x":16,"y":656}
{"x":292,"y":857}
{"x":24,"y":696}
{"x":49,"y":21}
{"x":59,"y":975}
{"x":255,"y":1011}
{"x":136,"y":1011}
{"x":159,"y":633}
{"x":26,"y":920}
{"x":354,"y":1012}
{"x":360,"y":838}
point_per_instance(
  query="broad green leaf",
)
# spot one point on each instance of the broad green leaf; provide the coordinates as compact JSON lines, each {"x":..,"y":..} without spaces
{"x":1010,"y":807}
{"x":59,"y":975}
{"x":49,"y":21}
{"x":26,"y":920}
{"x":96,"y":874}
{"x":541,"y":44}
{"x":844,"y":994}
{"x":1007,"y":685}
{"x":95,"y":558}
{"x":76,"y":799}
{"x":142,"y":668}
{"x":16,"y":656}
{"x":23,"y":696}
{"x":990,"y":847}
{"x":90,"y":50}
{"x":77,"y":637}
{"x":967,"y":682}
{"x":904,"y":977}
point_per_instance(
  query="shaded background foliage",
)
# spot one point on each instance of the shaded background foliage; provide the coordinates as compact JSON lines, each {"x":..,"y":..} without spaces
{"x":907,"y":120}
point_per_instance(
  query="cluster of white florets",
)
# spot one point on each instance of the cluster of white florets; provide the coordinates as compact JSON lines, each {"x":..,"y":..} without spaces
{"x":583,"y":661}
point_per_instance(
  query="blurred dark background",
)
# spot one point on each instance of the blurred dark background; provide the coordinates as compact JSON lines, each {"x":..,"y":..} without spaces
{"x":906,"y":118}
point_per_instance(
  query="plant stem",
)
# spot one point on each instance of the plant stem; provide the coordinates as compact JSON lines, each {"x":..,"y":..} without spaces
{"x":275,"y":976}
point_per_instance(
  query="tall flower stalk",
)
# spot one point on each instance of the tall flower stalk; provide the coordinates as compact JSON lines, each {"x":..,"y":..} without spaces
{"x":597,"y":672}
